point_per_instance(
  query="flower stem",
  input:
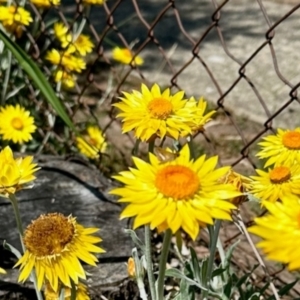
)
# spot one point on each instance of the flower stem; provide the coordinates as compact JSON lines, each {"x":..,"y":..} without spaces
{"x":15,"y":206}
{"x":148,"y":257}
{"x":214,"y":234}
{"x":162,"y":264}
{"x":14,"y":202}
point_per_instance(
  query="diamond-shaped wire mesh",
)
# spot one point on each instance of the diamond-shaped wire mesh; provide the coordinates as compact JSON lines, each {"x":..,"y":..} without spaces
{"x":242,"y":56}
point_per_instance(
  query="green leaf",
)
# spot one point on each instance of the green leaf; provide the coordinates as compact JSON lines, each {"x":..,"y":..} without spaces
{"x":217,"y":272}
{"x":283,"y":291}
{"x":195,"y":265}
{"x":136,"y":240}
{"x":12,"y":249}
{"x":37,"y":77}
{"x":184,"y":289}
{"x":229,"y":254}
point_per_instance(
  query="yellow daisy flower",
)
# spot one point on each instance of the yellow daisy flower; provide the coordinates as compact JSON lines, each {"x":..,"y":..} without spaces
{"x":2,"y":271}
{"x":125,"y":56}
{"x":16,"y":124}
{"x":280,"y":182}
{"x":283,"y":148}
{"x":152,"y":112}
{"x":82,"y":44}
{"x":181,"y":193}
{"x":45,"y":3}
{"x":200,"y":118}
{"x":67,"y":79}
{"x":92,"y":143}
{"x":55,"y":246}
{"x":14,"y":173}
{"x":280,"y":231}
{"x":66,"y":60}
{"x":95,"y":2}
{"x":81,"y":292}
{"x":62,"y":33}
{"x":13,"y":18}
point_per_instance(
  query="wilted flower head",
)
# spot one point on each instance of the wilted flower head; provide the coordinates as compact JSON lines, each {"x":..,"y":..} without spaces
{"x":15,"y":173}
{"x":55,"y":246}
{"x":240,"y":182}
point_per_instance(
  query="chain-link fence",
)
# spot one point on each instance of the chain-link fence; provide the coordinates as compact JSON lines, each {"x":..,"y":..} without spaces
{"x":242,"y":56}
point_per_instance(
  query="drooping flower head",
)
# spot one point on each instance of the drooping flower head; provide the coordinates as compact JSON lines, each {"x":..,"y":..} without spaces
{"x":125,"y":56}
{"x":55,"y":245}
{"x":81,"y":292}
{"x":15,"y":173}
{"x":278,"y":183}
{"x":66,"y":59}
{"x":45,"y":3}
{"x":16,"y":124}
{"x":178,"y":194}
{"x":240,"y":182}
{"x":282,"y":148}
{"x":280,"y":231}
{"x":154,"y":113}
{"x":13,"y":18}
{"x":92,"y":143}
{"x":81,"y":44}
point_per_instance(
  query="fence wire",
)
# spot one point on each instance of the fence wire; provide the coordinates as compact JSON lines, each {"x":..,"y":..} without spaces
{"x":158,"y":29}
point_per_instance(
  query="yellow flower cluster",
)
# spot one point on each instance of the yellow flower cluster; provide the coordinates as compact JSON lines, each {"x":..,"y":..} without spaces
{"x":282,"y":179}
{"x":13,"y":18}
{"x":152,"y":113}
{"x":278,"y":189}
{"x":70,"y":58}
{"x":172,"y":191}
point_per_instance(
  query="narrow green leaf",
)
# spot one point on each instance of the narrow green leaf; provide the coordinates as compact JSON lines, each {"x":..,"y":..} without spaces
{"x":195,"y":265}
{"x":37,"y":77}
{"x":12,"y":249}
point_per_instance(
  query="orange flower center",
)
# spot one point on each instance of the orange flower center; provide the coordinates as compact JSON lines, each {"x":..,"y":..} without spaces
{"x":291,"y":140}
{"x":178,"y":182}
{"x":280,"y":174}
{"x":160,"y":108}
{"x":17,"y":123}
{"x":127,"y":53}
